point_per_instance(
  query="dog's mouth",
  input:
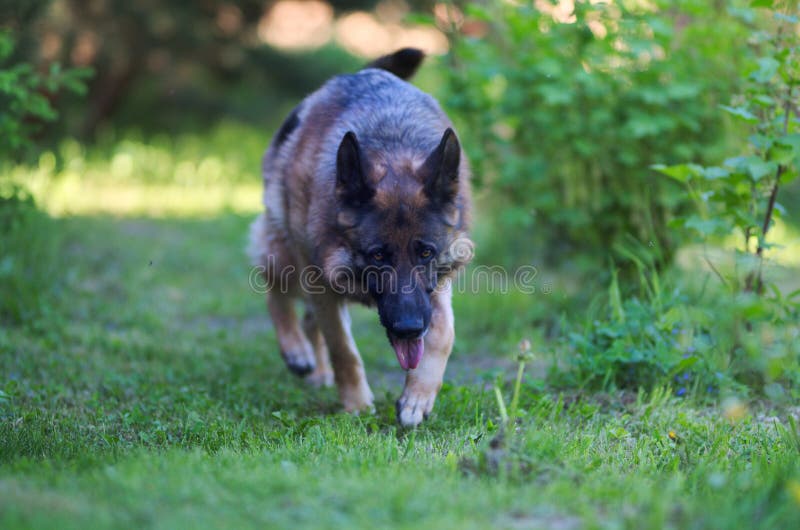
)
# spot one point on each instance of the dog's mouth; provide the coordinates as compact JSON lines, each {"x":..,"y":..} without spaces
{"x":409,"y":351}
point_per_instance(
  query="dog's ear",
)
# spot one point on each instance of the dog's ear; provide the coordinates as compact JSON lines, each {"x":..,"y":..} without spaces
{"x":440,"y":169}
{"x":352,"y":187}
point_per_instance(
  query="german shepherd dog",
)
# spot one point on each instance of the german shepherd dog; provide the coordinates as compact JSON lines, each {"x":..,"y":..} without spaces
{"x":366,"y":195}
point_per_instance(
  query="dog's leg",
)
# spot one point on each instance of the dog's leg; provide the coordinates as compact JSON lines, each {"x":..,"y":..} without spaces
{"x":268,"y":250}
{"x":333,"y":320}
{"x":424,"y":382}
{"x":323,"y":373}
{"x":295,"y":347}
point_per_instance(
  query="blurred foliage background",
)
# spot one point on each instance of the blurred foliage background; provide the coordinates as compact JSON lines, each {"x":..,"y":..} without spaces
{"x":569,"y":110}
{"x":571,"y":107}
{"x":183,"y":65}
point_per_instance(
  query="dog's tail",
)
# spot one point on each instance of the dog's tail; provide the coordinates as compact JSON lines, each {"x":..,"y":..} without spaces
{"x":403,"y":63}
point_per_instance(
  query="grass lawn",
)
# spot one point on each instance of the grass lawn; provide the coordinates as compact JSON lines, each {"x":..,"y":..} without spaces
{"x":153,"y":396}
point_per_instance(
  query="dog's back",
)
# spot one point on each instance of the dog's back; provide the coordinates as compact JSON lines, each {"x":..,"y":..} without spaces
{"x":371,"y":102}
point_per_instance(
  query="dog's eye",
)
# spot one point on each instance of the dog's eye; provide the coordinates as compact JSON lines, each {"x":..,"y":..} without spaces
{"x":426,"y":253}
{"x":377,"y":256}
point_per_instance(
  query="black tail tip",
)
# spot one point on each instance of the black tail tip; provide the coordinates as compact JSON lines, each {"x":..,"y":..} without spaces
{"x":403,"y":63}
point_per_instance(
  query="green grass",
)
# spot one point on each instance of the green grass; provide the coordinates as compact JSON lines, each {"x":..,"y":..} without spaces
{"x":149,"y":392}
{"x":153,"y":396}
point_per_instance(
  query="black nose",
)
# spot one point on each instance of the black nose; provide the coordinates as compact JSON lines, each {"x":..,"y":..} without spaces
{"x":408,"y":328}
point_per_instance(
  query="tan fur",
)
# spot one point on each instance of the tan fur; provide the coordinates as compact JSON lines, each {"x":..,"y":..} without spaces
{"x":323,"y":372}
{"x":424,"y":383}
{"x":348,"y":369}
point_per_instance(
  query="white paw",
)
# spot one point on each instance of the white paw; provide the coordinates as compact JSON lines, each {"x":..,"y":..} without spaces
{"x":413,"y":407}
{"x":356,"y":398}
{"x":300,"y":360}
{"x":320,"y":378}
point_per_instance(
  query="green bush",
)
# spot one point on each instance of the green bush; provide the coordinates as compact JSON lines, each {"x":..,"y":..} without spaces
{"x":732,"y":333}
{"x":741,"y":195}
{"x":24,"y":93}
{"x":563,"y":119}
{"x":673,"y":332}
{"x":29,"y":239}
{"x":30,"y":244}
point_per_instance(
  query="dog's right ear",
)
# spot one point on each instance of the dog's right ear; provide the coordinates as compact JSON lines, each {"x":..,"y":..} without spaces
{"x":352,"y":187}
{"x":440,"y":170}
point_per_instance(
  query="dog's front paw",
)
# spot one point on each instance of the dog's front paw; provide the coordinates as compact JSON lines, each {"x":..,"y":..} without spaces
{"x":414,"y":406}
{"x":299,"y":361}
{"x":320,"y":377}
{"x":356,"y":398}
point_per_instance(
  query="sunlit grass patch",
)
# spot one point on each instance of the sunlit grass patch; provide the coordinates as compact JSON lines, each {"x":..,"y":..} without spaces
{"x":162,"y":176}
{"x":72,"y":195}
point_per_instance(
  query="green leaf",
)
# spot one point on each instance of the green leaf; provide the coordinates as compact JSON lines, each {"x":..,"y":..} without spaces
{"x":758,"y":169}
{"x":740,"y":112}
{"x":767,"y":68}
{"x":760,"y":141}
{"x":763,"y":100}
{"x":762,"y":3}
{"x":790,"y":140}
{"x":753,"y":166}
{"x":680,"y":172}
{"x":707,"y":227}
{"x":744,"y":218}
{"x":683,"y":365}
{"x":788,"y":175}
{"x":739,"y":163}
{"x":781,"y":154}
{"x":752,"y":307}
{"x":715,"y":172}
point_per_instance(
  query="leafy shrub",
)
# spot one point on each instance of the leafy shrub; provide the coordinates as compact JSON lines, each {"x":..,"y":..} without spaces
{"x":564,"y":115}
{"x":24,"y":97}
{"x":740,"y":196}
{"x":672,"y":332}
{"x":729,"y":333}
{"x":30,"y":244}
{"x":29,"y":240}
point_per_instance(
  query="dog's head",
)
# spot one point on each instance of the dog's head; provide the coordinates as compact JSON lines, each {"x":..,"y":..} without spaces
{"x":400,"y":215}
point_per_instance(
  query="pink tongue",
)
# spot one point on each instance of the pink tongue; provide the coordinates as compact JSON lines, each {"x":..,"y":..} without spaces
{"x":409,"y":352}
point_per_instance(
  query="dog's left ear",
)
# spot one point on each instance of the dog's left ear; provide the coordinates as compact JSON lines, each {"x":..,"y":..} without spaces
{"x":440,"y":169}
{"x":352,"y":186}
